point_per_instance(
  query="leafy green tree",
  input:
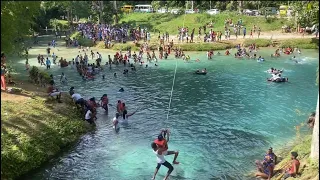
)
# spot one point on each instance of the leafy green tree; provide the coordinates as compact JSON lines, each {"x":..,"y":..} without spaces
{"x":232,"y":6}
{"x":17,"y":18}
{"x":306,"y":15}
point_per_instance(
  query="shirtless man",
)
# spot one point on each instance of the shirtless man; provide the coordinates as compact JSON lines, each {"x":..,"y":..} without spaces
{"x":163,"y":143}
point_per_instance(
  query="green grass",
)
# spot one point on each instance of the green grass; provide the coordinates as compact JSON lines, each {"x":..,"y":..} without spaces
{"x":59,"y":24}
{"x":34,"y":131}
{"x":305,"y":43}
{"x":258,"y":42}
{"x":206,"y":46}
{"x":308,"y":168}
{"x":170,"y":22}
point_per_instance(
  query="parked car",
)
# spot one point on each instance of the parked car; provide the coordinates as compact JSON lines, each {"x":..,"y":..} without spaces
{"x":248,"y":12}
{"x":190,"y":11}
{"x":162,"y":10}
{"x":175,"y":11}
{"x":213,"y":11}
{"x":255,"y":12}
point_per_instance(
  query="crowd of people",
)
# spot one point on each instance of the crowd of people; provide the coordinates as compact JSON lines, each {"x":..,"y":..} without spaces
{"x":108,"y":33}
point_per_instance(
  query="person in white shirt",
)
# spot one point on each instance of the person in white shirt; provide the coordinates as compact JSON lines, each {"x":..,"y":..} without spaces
{"x":161,"y":161}
{"x":78,"y":99}
{"x":115,"y":122}
{"x":63,"y":78}
{"x":89,"y":117}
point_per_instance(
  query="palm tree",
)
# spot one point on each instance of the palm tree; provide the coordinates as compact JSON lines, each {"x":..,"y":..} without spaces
{"x":315,"y":134}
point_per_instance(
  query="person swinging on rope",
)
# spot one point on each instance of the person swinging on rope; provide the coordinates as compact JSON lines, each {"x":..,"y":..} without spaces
{"x":162,"y":142}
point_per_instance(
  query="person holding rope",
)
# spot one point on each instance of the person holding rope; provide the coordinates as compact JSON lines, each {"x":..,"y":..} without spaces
{"x":160,"y":160}
{"x":162,"y":142}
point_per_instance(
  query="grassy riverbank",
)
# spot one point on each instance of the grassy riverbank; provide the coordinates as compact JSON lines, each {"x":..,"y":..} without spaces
{"x":168,"y":22}
{"x":308,"y":168}
{"x":34,"y":129}
{"x":305,"y":43}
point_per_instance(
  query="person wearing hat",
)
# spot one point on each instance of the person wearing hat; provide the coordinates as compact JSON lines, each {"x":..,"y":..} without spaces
{"x":163,"y":143}
{"x":294,"y":169}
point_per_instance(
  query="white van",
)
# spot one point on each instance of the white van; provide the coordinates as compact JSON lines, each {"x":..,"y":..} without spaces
{"x":143,"y":8}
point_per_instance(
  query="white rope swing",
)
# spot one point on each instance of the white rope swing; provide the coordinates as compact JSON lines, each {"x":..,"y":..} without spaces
{"x":174,"y":78}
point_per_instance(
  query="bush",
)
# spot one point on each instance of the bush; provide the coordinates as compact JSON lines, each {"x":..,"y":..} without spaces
{"x":257,"y":42}
{"x":35,"y":72}
{"x":59,"y":24}
{"x":300,"y":43}
{"x":82,"y":41}
{"x":125,"y":47}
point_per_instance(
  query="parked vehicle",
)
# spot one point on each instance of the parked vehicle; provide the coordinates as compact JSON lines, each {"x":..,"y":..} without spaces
{"x":255,"y":13}
{"x":190,"y":11}
{"x":248,"y":12}
{"x":175,"y":11}
{"x":127,"y":8}
{"x":143,"y":8}
{"x":285,"y":10}
{"x":162,"y":10}
{"x":213,"y":11}
{"x":268,"y":11}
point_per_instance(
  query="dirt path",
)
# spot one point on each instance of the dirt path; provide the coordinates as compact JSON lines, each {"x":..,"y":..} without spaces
{"x":264,"y":35}
{"x":29,"y":90}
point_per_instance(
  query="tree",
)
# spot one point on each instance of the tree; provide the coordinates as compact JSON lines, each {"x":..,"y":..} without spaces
{"x":17,"y":18}
{"x":315,"y":134}
{"x":232,"y":6}
{"x":307,"y":15}
{"x":156,"y":4}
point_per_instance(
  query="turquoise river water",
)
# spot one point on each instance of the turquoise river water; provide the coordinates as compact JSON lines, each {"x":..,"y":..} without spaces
{"x":220,"y":122}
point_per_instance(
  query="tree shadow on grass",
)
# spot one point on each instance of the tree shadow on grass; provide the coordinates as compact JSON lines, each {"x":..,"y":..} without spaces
{"x":35,"y":129}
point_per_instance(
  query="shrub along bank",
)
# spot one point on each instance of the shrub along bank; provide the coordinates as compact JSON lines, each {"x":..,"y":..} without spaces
{"x":305,"y":43}
{"x":82,"y":41}
{"x":34,"y":130}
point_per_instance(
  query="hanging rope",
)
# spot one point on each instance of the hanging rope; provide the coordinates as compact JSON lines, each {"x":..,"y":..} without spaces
{"x":174,"y":78}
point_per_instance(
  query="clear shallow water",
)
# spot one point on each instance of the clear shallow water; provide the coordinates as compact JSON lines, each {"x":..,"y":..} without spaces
{"x":220,"y":122}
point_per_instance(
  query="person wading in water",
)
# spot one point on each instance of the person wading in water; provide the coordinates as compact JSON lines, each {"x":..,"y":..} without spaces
{"x":160,"y":160}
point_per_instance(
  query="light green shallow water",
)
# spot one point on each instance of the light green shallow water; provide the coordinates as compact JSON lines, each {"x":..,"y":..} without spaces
{"x":220,"y":122}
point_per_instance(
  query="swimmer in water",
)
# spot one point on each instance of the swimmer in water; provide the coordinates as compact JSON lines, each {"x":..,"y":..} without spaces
{"x":115,"y":122}
{"x":63,"y":79}
{"x":115,"y":74}
{"x":146,"y":65}
{"x":155,"y":64}
{"x":121,"y":90}
{"x":197,"y":60}
{"x":104,"y":102}
{"x":103,"y":76}
{"x":119,"y":107}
